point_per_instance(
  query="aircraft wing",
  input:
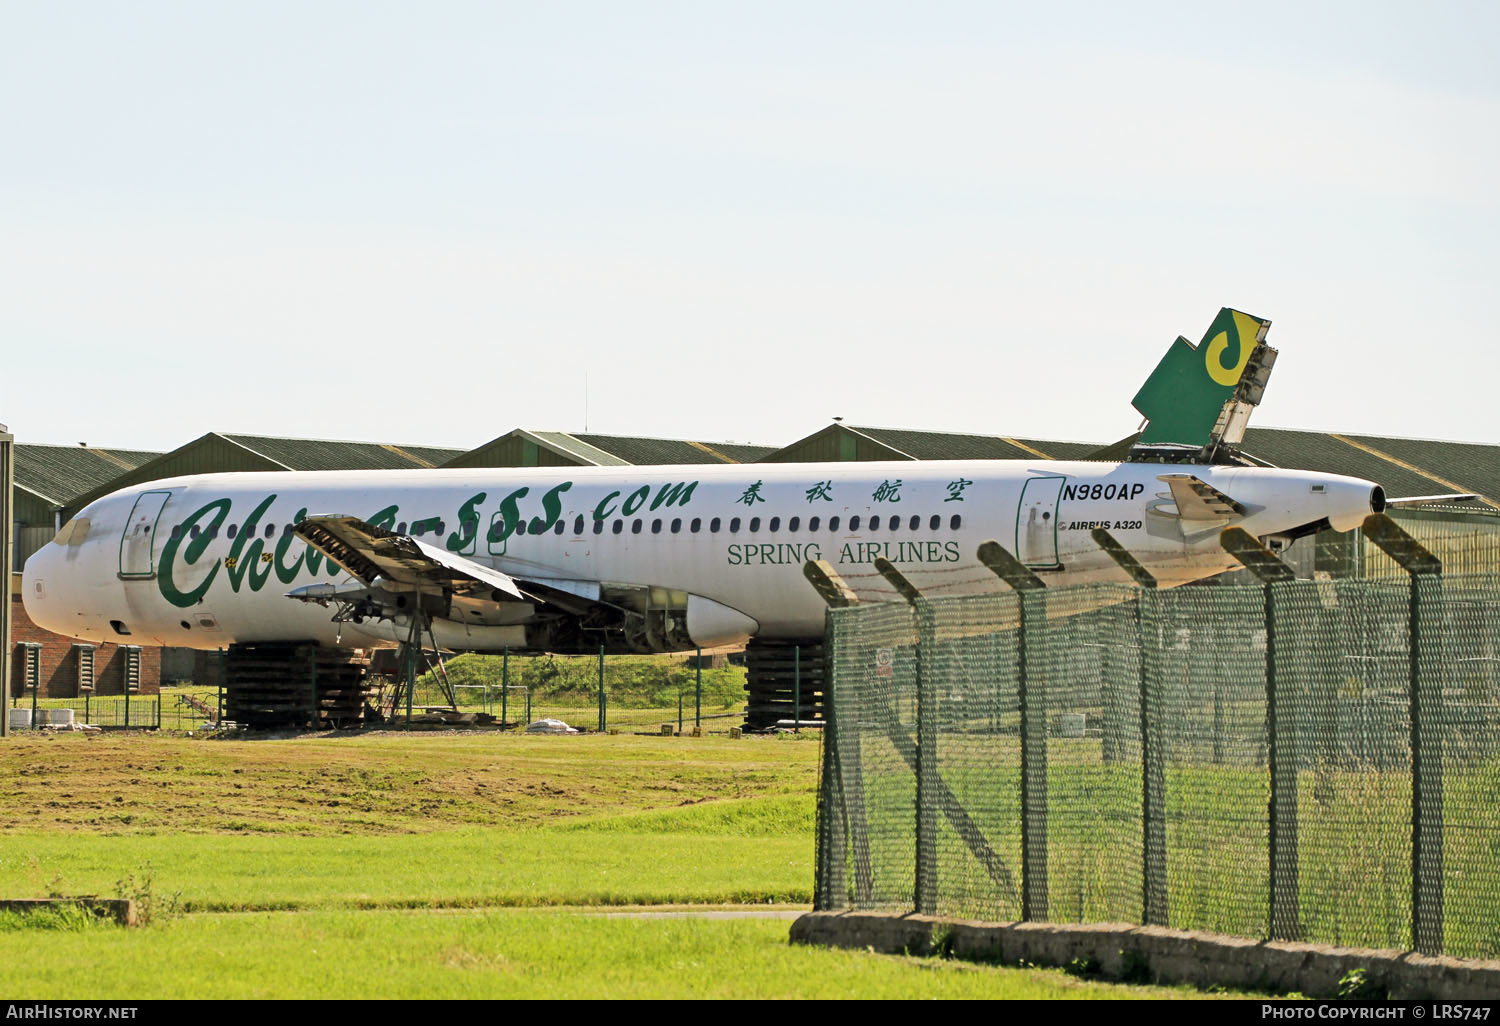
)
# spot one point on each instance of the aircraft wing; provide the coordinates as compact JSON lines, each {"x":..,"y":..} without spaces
{"x":1196,"y":499}
{"x":370,"y":553}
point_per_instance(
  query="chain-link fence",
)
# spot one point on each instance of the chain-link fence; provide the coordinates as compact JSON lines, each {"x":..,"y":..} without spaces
{"x":629,"y":693}
{"x":135,"y":711}
{"x":1311,"y":760}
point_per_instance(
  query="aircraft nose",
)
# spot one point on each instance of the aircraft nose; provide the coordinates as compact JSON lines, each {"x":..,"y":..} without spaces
{"x":34,"y":582}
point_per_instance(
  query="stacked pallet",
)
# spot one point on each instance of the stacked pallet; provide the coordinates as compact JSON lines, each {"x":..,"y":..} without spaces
{"x":773,"y":670}
{"x":294,"y":684}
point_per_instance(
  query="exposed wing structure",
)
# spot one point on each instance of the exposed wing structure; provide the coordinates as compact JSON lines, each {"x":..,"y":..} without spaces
{"x":1196,"y":499}
{"x":372,"y":553}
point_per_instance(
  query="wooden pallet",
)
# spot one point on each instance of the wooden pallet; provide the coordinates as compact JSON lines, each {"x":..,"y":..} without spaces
{"x":292,"y":684}
{"x":773,"y":670}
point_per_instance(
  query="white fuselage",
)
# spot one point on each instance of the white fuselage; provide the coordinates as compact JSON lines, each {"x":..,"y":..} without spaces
{"x":206,"y":561}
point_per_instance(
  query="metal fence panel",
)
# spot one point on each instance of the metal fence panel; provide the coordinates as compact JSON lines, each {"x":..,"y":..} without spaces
{"x":1233,"y":758}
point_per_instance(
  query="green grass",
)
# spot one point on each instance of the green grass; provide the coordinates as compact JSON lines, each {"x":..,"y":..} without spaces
{"x":492,"y":954}
{"x":686,"y":856}
{"x":433,"y":865}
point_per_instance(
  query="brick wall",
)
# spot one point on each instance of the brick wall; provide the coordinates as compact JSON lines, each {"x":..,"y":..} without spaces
{"x":59,"y":662}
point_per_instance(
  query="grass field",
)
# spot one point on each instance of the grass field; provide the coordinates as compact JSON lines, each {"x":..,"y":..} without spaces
{"x":434,"y":865}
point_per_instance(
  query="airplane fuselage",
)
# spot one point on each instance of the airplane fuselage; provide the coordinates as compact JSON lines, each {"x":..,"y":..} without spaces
{"x":207,"y":561}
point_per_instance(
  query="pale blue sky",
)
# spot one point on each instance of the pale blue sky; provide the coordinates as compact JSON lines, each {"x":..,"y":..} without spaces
{"x":425,"y":222}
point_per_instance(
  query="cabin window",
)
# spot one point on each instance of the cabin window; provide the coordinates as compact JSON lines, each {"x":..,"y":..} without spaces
{"x":193,"y":531}
{"x":558,"y":528}
{"x":956,"y":522}
{"x":521,"y":526}
{"x":233,"y":530}
{"x":895,"y":523}
{"x":812,"y":524}
{"x":270,"y":530}
{"x":635,"y":527}
{"x":854,"y":522}
{"x":578,"y":526}
{"x":713,"y":526}
{"x":734,"y":525}
{"x":695,"y":525}
{"x":176,"y":530}
{"x":286,"y":528}
{"x":754,"y":524}
{"x":676,"y":525}
{"x":935,"y":523}
{"x":401,"y":527}
{"x":833,"y":523}
{"x":792,"y":524}
{"x":656,"y":527}
{"x":598,"y":527}
{"x":774,"y":525}
{"x":875,"y":523}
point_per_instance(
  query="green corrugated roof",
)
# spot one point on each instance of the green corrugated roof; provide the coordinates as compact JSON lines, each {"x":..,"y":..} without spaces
{"x":939,"y":445}
{"x":643,"y":452}
{"x":575,"y":446}
{"x":58,"y":473}
{"x":1317,"y":450}
{"x":322,"y":454}
{"x":741,"y":452}
{"x":1470,"y":465}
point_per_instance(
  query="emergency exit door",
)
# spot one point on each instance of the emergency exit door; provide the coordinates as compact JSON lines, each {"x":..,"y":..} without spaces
{"x":140,"y":533}
{"x":1036,"y":522}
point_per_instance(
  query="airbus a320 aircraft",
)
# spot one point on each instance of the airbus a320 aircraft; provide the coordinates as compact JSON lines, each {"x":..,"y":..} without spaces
{"x":660,"y":559}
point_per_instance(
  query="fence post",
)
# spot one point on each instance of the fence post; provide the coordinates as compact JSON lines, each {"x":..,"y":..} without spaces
{"x":835,"y":807}
{"x":504,"y":685}
{"x":697,"y":697}
{"x":601,"y":689}
{"x":1424,"y":698}
{"x":830,"y":886}
{"x":1153,"y":762}
{"x":127,"y":698}
{"x":1031,"y":683}
{"x":219,"y":718}
{"x":1281,"y":739}
{"x":1154,"y":905}
{"x":928,"y":799}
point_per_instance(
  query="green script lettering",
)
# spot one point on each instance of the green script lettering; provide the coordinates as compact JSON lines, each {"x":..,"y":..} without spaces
{"x":165,"y":581}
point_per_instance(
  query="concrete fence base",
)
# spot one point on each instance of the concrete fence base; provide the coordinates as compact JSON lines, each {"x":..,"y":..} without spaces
{"x":1155,"y":954}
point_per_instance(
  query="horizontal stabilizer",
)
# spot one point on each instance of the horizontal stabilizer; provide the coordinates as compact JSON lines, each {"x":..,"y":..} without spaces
{"x":1425,"y":500}
{"x":1196,"y":499}
{"x":370,"y":553}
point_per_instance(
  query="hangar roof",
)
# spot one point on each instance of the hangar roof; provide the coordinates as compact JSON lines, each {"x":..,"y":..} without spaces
{"x":522,"y":448}
{"x":1403,"y":466}
{"x":843,"y":442}
{"x":219,"y":453}
{"x":320,"y":454}
{"x":56,"y":473}
{"x":661,"y":451}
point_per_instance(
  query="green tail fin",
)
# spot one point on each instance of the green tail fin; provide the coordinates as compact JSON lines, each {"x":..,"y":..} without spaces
{"x":1200,"y":397}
